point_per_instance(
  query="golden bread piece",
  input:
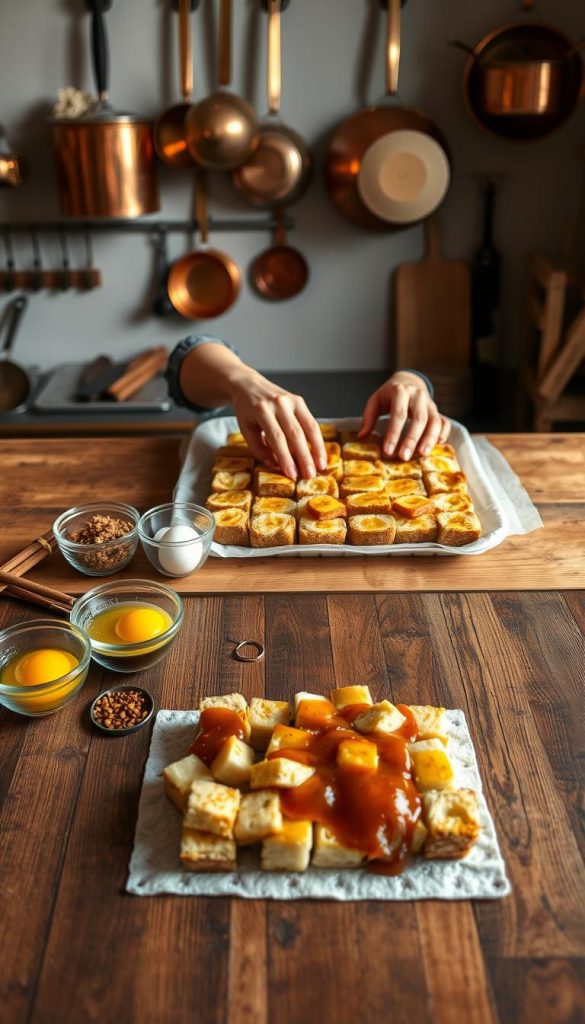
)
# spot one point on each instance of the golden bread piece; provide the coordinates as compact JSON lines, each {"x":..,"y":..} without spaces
{"x":329,"y":431}
{"x":272,"y":530}
{"x":232,"y":702}
{"x":236,"y":438}
{"x":231,"y":482}
{"x":334,"y":467}
{"x":437,"y":483}
{"x":328,"y":852}
{"x":322,"y":531}
{"x":229,"y":499}
{"x":231,"y":526}
{"x":419,"y":836}
{"x":279,"y":772}
{"x":347,"y":696}
{"x":415,"y":531}
{"x":366,"y":451}
{"x":287,"y":737}
{"x":359,"y":755}
{"x":263,"y":716}
{"x":382,"y":717}
{"x":431,"y":765}
{"x":430,"y":722}
{"x":289,"y":849}
{"x":212,"y":807}
{"x":232,"y":465}
{"x":232,"y":764}
{"x":259,"y":816}
{"x":452,"y":820}
{"x":348,"y":436}
{"x":268,"y":484}
{"x":201,"y":851}
{"x":396,"y":469}
{"x":440,"y":464}
{"x":361,"y":467}
{"x":302,"y":695}
{"x":376,"y":503}
{"x":371,"y":529}
{"x":333,"y":449}
{"x":179,"y":776}
{"x":286,"y":505}
{"x":458,"y":528}
{"x":413,"y":505}
{"x":317,"y":485}
{"x":446,"y":450}
{"x":324,"y":506}
{"x":234,"y":451}
{"x":361,"y":485}
{"x":398,"y":488}
{"x":445,"y":502}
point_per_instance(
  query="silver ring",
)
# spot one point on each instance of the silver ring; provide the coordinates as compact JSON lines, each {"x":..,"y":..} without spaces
{"x":249,"y":643}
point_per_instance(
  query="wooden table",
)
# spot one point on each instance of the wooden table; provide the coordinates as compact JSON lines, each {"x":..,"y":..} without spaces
{"x":76,"y":948}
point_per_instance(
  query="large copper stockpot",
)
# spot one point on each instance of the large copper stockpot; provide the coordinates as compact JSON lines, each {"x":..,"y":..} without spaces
{"x":222,"y":129}
{"x":170,"y":133}
{"x":105,"y":160}
{"x":278,"y":171}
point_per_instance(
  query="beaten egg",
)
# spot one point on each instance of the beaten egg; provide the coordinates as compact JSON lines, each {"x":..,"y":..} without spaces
{"x":131,"y":623}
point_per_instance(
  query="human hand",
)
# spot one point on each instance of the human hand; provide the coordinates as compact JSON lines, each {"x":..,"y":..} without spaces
{"x":405,"y":396}
{"x":279,"y":429}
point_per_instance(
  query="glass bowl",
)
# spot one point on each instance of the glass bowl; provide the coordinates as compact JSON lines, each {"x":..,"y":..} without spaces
{"x":176,"y":557}
{"x":129,"y":657}
{"x":44,"y":698}
{"x":97,"y":559}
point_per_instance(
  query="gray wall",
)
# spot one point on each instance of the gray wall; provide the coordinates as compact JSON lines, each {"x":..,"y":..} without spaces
{"x":333,"y":63}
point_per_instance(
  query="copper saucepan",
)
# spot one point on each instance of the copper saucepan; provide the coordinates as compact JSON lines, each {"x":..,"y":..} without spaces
{"x":278,"y":171}
{"x":387,"y":166}
{"x":170,"y":134}
{"x":280,"y":272}
{"x":222,"y":129}
{"x":206,"y":282}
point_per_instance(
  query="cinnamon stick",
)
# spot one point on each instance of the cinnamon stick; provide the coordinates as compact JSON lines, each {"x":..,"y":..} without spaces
{"x":27,"y":586}
{"x":30,"y":556}
{"x":144,"y":369}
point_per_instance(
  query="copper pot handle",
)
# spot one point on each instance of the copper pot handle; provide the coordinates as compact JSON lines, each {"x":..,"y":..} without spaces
{"x":527,"y":5}
{"x":185,"y":50}
{"x":201,"y":204}
{"x":392,"y":46}
{"x":273,"y":80}
{"x":224,"y":57}
{"x":280,"y":230}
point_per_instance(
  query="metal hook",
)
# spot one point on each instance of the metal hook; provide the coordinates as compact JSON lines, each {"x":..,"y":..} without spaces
{"x":65,"y":276}
{"x":10,"y":279}
{"x":36,"y":280}
{"x":249,"y":643}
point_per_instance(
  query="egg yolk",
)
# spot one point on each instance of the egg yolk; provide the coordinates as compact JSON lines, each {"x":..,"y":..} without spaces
{"x":43,"y":666}
{"x":140,"y":624}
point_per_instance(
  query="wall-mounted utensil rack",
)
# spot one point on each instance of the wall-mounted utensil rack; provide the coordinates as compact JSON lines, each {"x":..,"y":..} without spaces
{"x":113,"y":225}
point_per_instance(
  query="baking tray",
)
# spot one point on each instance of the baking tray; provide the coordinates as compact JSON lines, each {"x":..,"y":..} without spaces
{"x":57,"y":395}
{"x":194,"y":484}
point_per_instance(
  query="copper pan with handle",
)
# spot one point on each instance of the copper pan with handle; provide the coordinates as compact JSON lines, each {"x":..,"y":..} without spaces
{"x":388,"y":165}
{"x":170,"y":133}
{"x":280,"y":272}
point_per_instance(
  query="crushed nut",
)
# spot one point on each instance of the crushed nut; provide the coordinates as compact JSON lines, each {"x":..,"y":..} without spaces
{"x":121,"y":709}
{"x":101,"y":529}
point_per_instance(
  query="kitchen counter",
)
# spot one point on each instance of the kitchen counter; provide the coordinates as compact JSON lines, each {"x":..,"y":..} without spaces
{"x":77,"y":949}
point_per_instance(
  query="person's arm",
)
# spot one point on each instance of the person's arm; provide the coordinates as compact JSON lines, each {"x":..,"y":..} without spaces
{"x":406,"y":396}
{"x":277,"y":425}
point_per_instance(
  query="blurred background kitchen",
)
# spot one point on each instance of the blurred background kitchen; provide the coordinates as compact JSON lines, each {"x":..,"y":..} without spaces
{"x":353,"y":316}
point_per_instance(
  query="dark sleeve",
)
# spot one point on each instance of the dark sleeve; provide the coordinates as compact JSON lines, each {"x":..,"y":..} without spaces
{"x":423,"y":377}
{"x":174,"y":366}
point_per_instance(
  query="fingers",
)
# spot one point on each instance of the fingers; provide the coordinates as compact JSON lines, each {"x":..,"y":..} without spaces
{"x":313,"y":435}
{"x":397,"y":418}
{"x":419,"y":417}
{"x":370,"y":415}
{"x":431,"y":432}
{"x":274,"y":437}
{"x":445,"y":430}
{"x":286,"y":413}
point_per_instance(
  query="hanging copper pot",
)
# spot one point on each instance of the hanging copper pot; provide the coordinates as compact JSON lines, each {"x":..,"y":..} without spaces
{"x":170,"y":133}
{"x":280,"y":272}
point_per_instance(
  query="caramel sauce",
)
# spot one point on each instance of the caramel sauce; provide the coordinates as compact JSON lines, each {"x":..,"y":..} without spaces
{"x":216,"y":725}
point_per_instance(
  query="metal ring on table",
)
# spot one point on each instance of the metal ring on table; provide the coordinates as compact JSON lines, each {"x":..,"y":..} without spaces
{"x":249,"y":643}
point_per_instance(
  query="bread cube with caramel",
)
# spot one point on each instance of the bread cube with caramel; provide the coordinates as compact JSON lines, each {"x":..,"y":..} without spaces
{"x":329,"y":852}
{"x":272,"y":530}
{"x":212,"y":807}
{"x":259,"y":815}
{"x":348,"y":696}
{"x":273,"y":485}
{"x":236,"y":437}
{"x":202,"y":851}
{"x":431,"y":765}
{"x":282,"y":505}
{"x":438,"y":483}
{"x":234,"y":451}
{"x":179,"y":777}
{"x":361,"y":467}
{"x":383,"y":717}
{"x":396,"y":469}
{"x":452,"y":820}
{"x":231,"y":527}
{"x":231,"y":482}
{"x":371,"y":529}
{"x":288,"y":737}
{"x":334,"y":467}
{"x":458,"y":528}
{"x":358,"y":755}
{"x":457,"y":502}
{"x":278,"y":773}
{"x":263,"y":716}
{"x":363,"y":451}
{"x":324,"y":506}
{"x":289,"y":849}
{"x":361,"y":485}
{"x":317,"y":485}
{"x":415,"y":531}
{"x":233,"y":763}
{"x":376,"y":503}
{"x":322,"y":531}
{"x":407,"y":485}
{"x":225,"y":464}
{"x":440,"y":464}
{"x":430,"y":722}
{"x":235,"y":702}
{"x":329,"y":431}
{"x":229,"y":499}
{"x":412,"y":506}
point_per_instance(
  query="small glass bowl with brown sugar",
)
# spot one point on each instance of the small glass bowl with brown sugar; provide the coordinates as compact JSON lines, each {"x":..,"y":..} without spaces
{"x":99,"y":538}
{"x":122,"y":710}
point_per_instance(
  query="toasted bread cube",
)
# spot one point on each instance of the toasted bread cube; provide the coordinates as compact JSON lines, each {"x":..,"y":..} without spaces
{"x":302,"y":695}
{"x":232,"y":701}
{"x":440,"y":464}
{"x":232,"y":764}
{"x":231,"y":527}
{"x":382,"y":717}
{"x":396,"y":469}
{"x":229,"y":499}
{"x":234,"y":451}
{"x":328,"y":852}
{"x":329,"y":431}
{"x":287,"y":737}
{"x":419,"y":836}
{"x":361,"y":485}
{"x":348,"y":436}
{"x":332,"y":449}
{"x":318,"y":485}
{"x":408,"y":485}
{"x":430,"y":722}
{"x":362,"y":451}
{"x":231,"y":482}
{"x":431,"y":765}
{"x":361,"y":467}
{"x":412,"y":506}
{"x":415,"y":531}
{"x":334,"y":467}
{"x":259,"y":816}
{"x":179,"y":776}
{"x":264,"y":715}
{"x":446,"y":502}
{"x":347,"y":696}
{"x":289,"y":849}
{"x":201,"y":851}
{"x":236,"y":437}
{"x":273,"y":484}
{"x":444,"y":449}
{"x":458,"y":528}
{"x":282,"y":505}
{"x":377,"y":504}
{"x":272,"y":530}
{"x":322,"y":531}
{"x":212,"y":807}
{"x":452,"y":819}
{"x":371,"y":529}
{"x":359,"y":755}
{"x":323,"y":506}
{"x":437,"y":483}
{"x":279,"y":772}
{"x":223,"y":464}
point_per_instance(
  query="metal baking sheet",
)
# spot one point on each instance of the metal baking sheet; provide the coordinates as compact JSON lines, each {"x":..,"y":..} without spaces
{"x":57,"y":395}
{"x":195,"y":482}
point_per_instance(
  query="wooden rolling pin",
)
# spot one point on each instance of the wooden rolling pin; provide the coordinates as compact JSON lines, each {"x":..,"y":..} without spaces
{"x":139,"y":372}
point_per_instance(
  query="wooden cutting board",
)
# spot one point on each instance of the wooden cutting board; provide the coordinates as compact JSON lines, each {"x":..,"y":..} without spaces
{"x":433,"y":308}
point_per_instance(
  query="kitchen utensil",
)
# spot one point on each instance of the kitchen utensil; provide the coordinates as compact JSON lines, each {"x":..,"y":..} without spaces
{"x":90,"y":379}
{"x":10,"y":274}
{"x":387,"y":165}
{"x":278,"y":171}
{"x":280,"y":272}
{"x":162,"y":304}
{"x":105,"y":159}
{"x":222,"y":129}
{"x":64,"y":276}
{"x":140,"y":371}
{"x":36,"y":276}
{"x":90,"y":277}
{"x":170,"y":135}
{"x":10,"y":162}
{"x":15,"y":380}
{"x":206,"y":282}
{"x":433,"y":312}
{"x":57,"y":394}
